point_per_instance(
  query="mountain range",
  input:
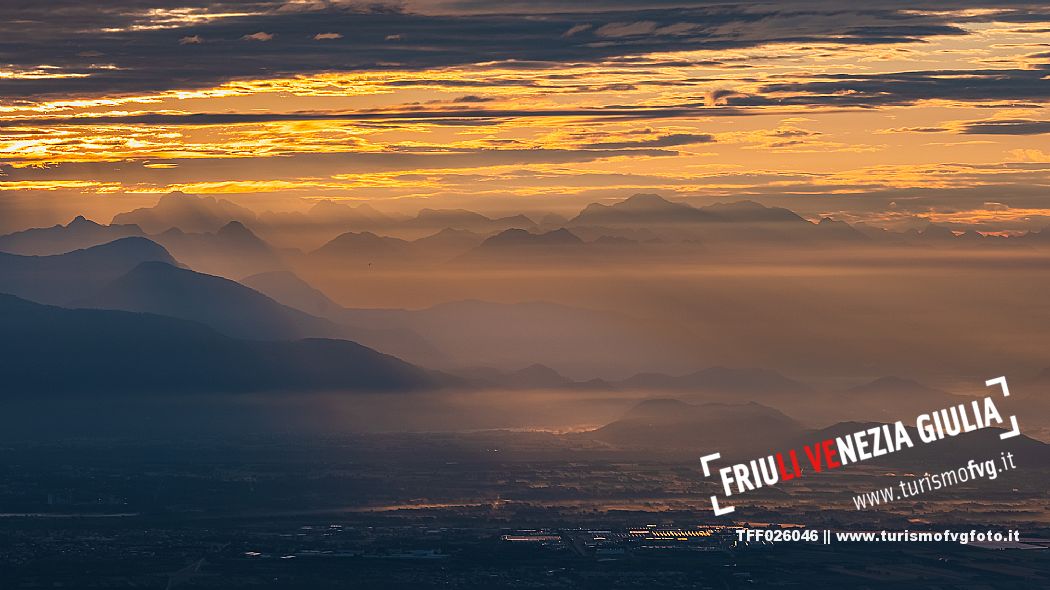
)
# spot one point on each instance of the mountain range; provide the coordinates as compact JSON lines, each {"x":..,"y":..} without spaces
{"x":76,"y":235}
{"x":648,"y":209}
{"x":220,"y":237}
{"x":135,"y":274}
{"x":232,"y":251}
{"x":224,"y":305}
{"x":50,"y":350}
{"x":61,"y":278}
{"x":189,"y":213}
{"x":190,"y":274}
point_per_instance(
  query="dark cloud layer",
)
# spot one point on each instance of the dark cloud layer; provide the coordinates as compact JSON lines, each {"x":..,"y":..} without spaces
{"x":844,"y":90}
{"x":431,"y":116}
{"x":149,"y":45}
{"x":295,"y":166}
{"x":1007,"y":127}
{"x":672,"y":140}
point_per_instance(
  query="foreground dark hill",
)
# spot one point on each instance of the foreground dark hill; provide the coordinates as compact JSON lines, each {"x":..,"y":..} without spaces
{"x":239,"y":311}
{"x":62,"y":278}
{"x":51,"y":350}
{"x":226,"y":306}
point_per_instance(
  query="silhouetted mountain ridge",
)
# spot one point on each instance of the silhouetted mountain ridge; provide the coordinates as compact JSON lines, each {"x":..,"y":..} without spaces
{"x":233,"y":251}
{"x":76,"y":235}
{"x":60,"y":278}
{"x":517,"y":238}
{"x":190,"y":213}
{"x":50,"y":350}
{"x":288,"y":289}
{"x":224,"y":305}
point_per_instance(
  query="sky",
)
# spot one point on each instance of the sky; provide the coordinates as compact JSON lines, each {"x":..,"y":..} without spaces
{"x":891,"y":113}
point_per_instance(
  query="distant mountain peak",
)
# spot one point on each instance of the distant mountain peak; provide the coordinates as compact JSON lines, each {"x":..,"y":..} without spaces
{"x":328,"y":204}
{"x":364,"y":244}
{"x":648,"y":201}
{"x":233,"y":225}
{"x":181,"y":199}
{"x":191,"y":213}
{"x":363,"y":237}
{"x":235,"y":229}
{"x":659,"y":405}
{"x":519,"y":220}
{"x":639,"y":208}
{"x":520,"y":237}
{"x":181,"y":196}
{"x":561,"y":235}
{"x":448,"y":241}
{"x":81,"y":221}
{"x":538,"y":376}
